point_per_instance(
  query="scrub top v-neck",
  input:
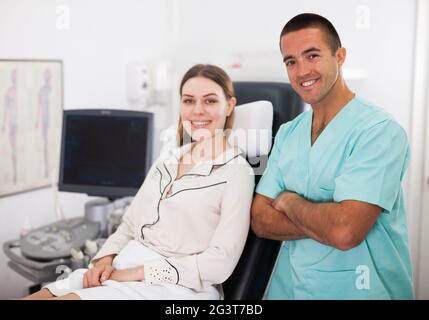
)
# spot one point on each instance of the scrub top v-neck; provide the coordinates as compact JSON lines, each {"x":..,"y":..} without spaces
{"x":362,"y":154}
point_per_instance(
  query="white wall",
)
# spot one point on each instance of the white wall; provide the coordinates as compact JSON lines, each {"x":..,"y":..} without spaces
{"x":104,"y":36}
{"x":419,"y":167}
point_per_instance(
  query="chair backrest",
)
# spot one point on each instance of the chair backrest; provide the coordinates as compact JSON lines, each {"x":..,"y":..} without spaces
{"x":253,"y":271}
{"x":252,"y":128}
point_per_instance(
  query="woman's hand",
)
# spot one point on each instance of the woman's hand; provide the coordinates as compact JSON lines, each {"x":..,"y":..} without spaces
{"x":93,"y":277}
{"x":131,"y":274}
{"x":99,"y":273}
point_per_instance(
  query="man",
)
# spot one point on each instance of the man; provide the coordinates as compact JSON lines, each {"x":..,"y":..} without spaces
{"x":332,"y":187}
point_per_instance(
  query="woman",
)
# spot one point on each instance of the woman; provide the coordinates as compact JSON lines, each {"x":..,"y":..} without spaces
{"x":186,"y":228}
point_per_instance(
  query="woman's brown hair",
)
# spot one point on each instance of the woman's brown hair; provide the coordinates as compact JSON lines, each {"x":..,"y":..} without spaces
{"x":219,"y":76}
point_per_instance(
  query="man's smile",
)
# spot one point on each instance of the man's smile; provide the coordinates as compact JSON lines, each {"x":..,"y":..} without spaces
{"x":308,"y":84}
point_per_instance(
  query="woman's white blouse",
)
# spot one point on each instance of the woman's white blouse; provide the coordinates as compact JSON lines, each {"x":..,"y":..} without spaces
{"x":198,"y":222}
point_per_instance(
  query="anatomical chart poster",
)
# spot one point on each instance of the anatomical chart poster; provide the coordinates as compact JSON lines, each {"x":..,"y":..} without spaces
{"x":31,"y":108}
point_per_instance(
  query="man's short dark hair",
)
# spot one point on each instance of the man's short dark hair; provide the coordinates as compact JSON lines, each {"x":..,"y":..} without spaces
{"x":312,"y":20}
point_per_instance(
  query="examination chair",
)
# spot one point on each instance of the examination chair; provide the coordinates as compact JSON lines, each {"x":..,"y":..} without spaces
{"x":252,"y":273}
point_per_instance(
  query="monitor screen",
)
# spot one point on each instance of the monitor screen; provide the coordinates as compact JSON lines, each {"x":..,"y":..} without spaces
{"x":105,"y":152}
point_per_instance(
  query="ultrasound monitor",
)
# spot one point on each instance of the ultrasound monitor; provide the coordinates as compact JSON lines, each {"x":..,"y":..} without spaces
{"x":105,"y":153}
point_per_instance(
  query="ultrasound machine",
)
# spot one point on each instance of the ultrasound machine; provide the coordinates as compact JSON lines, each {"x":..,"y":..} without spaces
{"x":104,"y":153}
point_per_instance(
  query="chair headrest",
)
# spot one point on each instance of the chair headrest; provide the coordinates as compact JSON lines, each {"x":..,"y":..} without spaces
{"x":252,"y":129}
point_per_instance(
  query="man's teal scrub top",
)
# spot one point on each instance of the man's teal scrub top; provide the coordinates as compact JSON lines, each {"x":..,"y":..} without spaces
{"x":361,"y":155}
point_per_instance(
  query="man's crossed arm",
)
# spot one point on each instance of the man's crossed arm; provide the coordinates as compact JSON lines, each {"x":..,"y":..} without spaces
{"x":342,"y":225}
